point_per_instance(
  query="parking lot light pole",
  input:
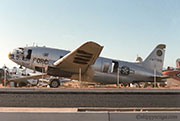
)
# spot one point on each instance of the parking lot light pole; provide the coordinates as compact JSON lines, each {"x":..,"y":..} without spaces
{"x":155,"y":77}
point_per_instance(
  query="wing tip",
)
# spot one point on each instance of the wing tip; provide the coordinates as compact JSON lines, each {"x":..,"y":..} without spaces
{"x":95,"y":44}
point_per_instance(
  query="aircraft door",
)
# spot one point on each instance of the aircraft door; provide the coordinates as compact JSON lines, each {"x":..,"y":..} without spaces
{"x":28,"y":58}
{"x":29,"y":53}
{"x":114,"y":67}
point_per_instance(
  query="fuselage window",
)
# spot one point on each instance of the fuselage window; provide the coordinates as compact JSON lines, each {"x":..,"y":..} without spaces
{"x":29,"y":54}
{"x":60,"y":57}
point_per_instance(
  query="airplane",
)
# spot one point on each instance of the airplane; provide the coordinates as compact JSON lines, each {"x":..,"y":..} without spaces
{"x":84,"y":64}
{"x":19,"y":80}
{"x":173,"y":72}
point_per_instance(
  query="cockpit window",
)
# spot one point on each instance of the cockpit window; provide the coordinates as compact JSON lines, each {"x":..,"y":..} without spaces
{"x":21,"y":48}
{"x":18,"y":51}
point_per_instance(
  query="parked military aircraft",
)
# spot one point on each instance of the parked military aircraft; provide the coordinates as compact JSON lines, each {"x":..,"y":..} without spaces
{"x":85,"y":64}
{"x":19,"y":79}
{"x":173,"y":72}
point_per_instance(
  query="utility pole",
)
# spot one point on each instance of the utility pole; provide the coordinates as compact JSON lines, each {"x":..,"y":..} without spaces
{"x":5,"y":77}
{"x":118,"y":77}
{"x":155,"y":77}
{"x":80,"y":76}
{"x":42,"y":71}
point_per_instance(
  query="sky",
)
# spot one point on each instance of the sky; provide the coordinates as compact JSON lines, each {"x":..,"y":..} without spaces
{"x":126,"y":28}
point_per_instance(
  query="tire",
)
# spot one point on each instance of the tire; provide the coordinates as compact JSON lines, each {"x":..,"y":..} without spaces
{"x":54,"y":83}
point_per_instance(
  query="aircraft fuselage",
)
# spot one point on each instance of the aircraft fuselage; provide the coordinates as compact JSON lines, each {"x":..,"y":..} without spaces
{"x":104,"y":70}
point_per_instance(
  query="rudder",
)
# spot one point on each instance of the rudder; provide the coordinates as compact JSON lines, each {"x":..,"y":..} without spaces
{"x":156,"y":59}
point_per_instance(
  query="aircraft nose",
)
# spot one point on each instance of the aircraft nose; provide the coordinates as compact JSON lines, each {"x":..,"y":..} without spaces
{"x":10,"y":55}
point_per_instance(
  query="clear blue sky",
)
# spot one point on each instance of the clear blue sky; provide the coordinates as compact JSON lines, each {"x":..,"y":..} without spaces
{"x":124,"y":27}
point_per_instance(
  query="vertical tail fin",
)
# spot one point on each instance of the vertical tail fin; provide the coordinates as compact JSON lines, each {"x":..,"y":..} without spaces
{"x":156,"y":59}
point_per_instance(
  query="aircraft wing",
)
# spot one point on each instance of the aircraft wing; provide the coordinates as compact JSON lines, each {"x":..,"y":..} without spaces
{"x":24,"y":78}
{"x":82,"y":57}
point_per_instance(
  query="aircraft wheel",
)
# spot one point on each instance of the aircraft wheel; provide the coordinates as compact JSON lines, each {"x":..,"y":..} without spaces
{"x":54,"y":83}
